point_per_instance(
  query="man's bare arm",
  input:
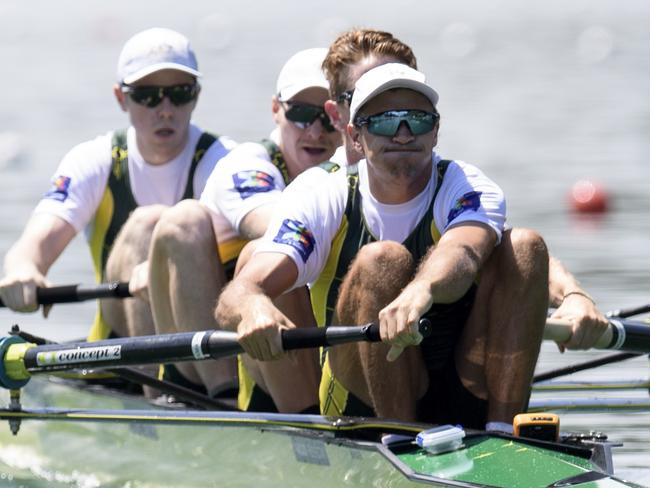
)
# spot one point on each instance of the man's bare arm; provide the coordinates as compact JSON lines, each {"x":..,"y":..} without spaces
{"x":246,"y":305}
{"x":27,"y":262}
{"x":444,"y":276}
{"x":575,"y":304}
{"x":254,"y":223}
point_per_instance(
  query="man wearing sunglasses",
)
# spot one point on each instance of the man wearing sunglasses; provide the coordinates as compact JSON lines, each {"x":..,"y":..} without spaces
{"x":349,"y":56}
{"x":343,"y":238}
{"x":115,"y":186}
{"x":397,"y":130}
{"x":187,"y":274}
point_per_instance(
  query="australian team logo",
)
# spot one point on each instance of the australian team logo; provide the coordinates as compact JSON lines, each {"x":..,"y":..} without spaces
{"x":248,"y":183}
{"x":469,"y":201}
{"x":298,"y":236}
{"x":59,"y":189}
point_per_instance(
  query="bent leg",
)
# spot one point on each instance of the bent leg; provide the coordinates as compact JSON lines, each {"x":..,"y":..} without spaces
{"x":292,"y":381}
{"x":500,"y":343}
{"x":375,"y":278}
{"x":130,"y":316}
{"x":185,"y":279}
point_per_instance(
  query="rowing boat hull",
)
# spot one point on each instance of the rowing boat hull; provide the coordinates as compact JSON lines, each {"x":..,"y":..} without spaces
{"x":129,"y":443}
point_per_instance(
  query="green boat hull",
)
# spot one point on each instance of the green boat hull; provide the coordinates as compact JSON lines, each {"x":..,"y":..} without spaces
{"x":124,"y":444}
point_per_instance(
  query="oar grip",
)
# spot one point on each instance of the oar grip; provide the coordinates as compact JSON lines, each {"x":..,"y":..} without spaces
{"x":372,"y":333}
{"x":304,"y":337}
{"x":79,"y":293}
{"x":331,"y":336}
{"x":57,"y":294}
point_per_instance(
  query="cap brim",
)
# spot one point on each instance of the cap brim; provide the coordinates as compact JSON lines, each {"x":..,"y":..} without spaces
{"x":138,"y":75}
{"x":407,"y":83}
{"x":291,"y":91}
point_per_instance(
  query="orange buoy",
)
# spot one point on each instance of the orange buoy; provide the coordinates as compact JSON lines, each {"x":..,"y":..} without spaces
{"x":589,"y":197}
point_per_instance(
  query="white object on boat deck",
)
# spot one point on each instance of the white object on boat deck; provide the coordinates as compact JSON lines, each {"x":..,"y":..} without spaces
{"x":441,"y":439}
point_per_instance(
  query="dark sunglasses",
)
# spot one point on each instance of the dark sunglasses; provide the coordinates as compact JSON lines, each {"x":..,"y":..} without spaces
{"x":151,"y":96}
{"x":387,"y":123}
{"x":302,"y":115}
{"x":346,"y":96}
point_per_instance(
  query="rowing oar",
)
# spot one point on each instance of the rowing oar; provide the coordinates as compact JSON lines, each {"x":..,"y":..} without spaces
{"x":621,"y":334}
{"x":132,"y":375}
{"x":20,"y":359}
{"x":601,"y":361}
{"x":78,"y":293}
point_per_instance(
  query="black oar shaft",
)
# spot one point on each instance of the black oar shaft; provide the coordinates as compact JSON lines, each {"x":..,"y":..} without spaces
{"x":629,"y":312}
{"x":637,"y":337}
{"x":613,"y":358}
{"x":78,"y":293}
{"x":187,"y":346}
{"x":165,"y":348}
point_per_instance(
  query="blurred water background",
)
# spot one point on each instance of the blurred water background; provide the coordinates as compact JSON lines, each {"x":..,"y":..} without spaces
{"x":539,"y":95}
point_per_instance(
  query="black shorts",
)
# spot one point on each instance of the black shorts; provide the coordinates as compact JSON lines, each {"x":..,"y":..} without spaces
{"x":447,"y":323}
{"x":229,"y":269}
{"x":447,"y":401}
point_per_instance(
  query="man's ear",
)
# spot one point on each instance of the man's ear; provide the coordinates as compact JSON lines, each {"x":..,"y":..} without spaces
{"x":275,"y":109}
{"x":332,"y":110}
{"x":120,"y":96}
{"x":355,"y":137}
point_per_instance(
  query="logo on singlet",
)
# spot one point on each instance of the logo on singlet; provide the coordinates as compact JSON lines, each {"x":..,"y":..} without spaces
{"x":298,"y":236}
{"x":469,"y":201}
{"x":59,"y":189}
{"x":251,"y":182}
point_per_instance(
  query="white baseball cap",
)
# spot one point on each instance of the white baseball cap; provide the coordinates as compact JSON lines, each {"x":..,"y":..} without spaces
{"x":153,"y":50}
{"x":303,"y":70}
{"x":385,"y":77}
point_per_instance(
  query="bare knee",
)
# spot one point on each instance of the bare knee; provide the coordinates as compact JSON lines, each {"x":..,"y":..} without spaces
{"x":521,"y":252}
{"x":145,"y":218}
{"x":379,"y":271}
{"x":136,"y":232}
{"x":530,"y":253}
{"x":387,"y":256}
{"x":527,"y":242}
{"x":186,"y":225}
{"x":131,"y":246}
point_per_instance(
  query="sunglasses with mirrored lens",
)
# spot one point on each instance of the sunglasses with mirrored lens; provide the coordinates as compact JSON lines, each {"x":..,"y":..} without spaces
{"x":302,"y":115}
{"x":151,"y":96}
{"x":387,"y":123}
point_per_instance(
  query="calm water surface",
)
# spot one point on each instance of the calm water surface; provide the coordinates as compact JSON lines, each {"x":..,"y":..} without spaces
{"x":538,"y":95}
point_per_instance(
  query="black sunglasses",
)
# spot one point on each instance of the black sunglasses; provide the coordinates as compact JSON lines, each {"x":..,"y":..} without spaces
{"x":302,"y":115}
{"x":346,"y":96}
{"x":151,"y":96}
{"x":387,"y":123}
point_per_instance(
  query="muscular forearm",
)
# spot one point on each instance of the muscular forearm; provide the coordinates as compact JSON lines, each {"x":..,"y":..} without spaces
{"x":41,"y":243}
{"x":20,"y":262}
{"x":449,"y":271}
{"x":561,"y":283}
{"x":236,"y":301}
{"x":247,"y":309}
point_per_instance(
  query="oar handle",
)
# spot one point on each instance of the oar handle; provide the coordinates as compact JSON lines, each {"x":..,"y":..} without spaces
{"x":561,"y":330}
{"x":331,"y":336}
{"x":626,"y":335}
{"x":78,"y":293}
